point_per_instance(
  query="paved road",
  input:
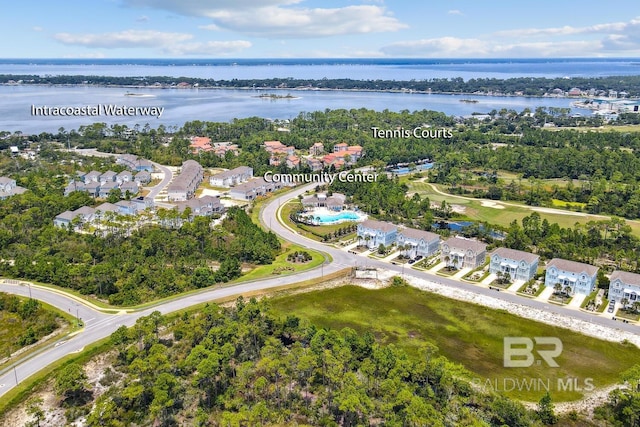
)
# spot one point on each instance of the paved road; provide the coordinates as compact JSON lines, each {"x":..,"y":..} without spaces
{"x":344,"y":259}
{"x":168,"y":176}
{"x":100,"y":325}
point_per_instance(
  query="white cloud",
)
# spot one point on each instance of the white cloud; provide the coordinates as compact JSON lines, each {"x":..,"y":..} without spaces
{"x":276,"y":22}
{"x":122,"y":39}
{"x":143,"y":18}
{"x":607,"y":39}
{"x":281,"y":18}
{"x":438,"y":47}
{"x":37,"y":28}
{"x":455,"y":12}
{"x":208,"y":48}
{"x":168,"y":43}
{"x":210,"y":27}
{"x":569,"y":30}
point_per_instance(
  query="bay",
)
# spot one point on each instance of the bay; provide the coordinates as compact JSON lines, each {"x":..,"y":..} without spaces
{"x":222,"y":105}
{"x":360,"y":69}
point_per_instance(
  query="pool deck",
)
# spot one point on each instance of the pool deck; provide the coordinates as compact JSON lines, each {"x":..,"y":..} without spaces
{"x":324,"y":214}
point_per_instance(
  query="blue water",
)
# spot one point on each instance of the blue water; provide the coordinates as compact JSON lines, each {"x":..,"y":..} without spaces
{"x":338,"y":217}
{"x":222,"y":105}
{"x":460,"y":225}
{"x":332,"y":68}
{"x":225,"y":105}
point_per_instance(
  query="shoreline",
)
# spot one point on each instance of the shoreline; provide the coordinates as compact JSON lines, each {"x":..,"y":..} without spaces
{"x":305,"y":89}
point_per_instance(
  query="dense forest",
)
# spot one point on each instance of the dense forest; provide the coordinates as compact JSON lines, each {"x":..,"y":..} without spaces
{"x":246,"y":366}
{"x":150,"y":263}
{"x":529,"y":86}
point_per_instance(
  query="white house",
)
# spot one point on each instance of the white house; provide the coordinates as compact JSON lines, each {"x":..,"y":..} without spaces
{"x":579,"y":277}
{"x":624,"y":286}
{"x":9,"y":188}
{"x":375,"y":233}
{"x":419,"y":242}
{"x":232,"y":177}
{"x":518,"y":264}
{"x":463,"y":253}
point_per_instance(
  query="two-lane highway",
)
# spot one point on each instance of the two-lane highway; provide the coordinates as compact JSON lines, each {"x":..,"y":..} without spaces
{"x":99,"y":325}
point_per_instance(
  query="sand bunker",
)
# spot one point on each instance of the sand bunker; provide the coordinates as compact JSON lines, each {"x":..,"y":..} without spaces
{"x":490,"y":204}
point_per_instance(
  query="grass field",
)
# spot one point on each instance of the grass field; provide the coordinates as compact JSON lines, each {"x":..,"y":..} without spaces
{"x":476,"y":211}
{"x":465,"y":333}
{"x":562,"y":204}
{"x":281,"y":264}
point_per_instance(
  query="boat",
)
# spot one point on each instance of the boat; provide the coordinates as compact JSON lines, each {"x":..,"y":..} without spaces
{"x":470,"y":101}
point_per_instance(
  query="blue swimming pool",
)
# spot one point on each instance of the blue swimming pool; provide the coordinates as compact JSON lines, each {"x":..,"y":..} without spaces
{"x":332,"y":218}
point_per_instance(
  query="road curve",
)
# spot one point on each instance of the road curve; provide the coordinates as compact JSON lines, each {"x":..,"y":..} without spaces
{"x":102,"y":325}
{"x":342,"y":259}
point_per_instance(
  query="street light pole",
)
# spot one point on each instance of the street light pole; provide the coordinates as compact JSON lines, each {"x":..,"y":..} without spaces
{"x":15,"y":374}
{"x":30,"y":296}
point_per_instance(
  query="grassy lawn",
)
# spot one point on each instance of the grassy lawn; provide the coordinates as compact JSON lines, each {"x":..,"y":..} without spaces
{"x":475,"y":211}
{"x":281,"y":264}
{"x":562,"y":204}
{"x":468,"y":334}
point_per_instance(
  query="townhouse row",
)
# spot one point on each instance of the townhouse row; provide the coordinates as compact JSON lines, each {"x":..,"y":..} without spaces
{"x":187,"y":210}
{"x":570,"y":276}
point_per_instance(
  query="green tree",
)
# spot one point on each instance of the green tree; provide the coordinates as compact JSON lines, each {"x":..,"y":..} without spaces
{"x":71,"y":382}
{"x":546,"y":411}
{"x":34,"y":409}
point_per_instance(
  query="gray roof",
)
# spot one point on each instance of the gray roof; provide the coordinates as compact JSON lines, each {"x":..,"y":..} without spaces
{"x":466,"y":244}
{"x":626,"y":277}
{"x":240,"y":170}
{"x":107,"y":207}
{"x":109,"y":185}
{"x":109,"y":173}
{"x":379,"y":225}
{"x":129,"y":185}
{"x":189,"y":170}
{"x":419,"y":234}
{"x":85,"y":210}
{"x":125,"y":173}
{"x":251,"y":185}
{"x":127,"y":204}
{"x":576,"y":267}
{"x":198,"y":203}
{"x":516,"y":255}
{"x":92,"y":185}
{"x":66,"y":215}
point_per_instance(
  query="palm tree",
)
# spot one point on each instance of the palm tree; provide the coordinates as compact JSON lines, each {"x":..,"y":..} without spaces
{"x":624,"y":302}
{"x":446,"y":260}
{"x":557,"y":288}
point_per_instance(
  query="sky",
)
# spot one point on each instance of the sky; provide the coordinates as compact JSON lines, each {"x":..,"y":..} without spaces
{"x":319,"y":28}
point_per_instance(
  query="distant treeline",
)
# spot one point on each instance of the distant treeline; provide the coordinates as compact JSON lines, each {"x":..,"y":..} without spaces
{"x":529,"y":86}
